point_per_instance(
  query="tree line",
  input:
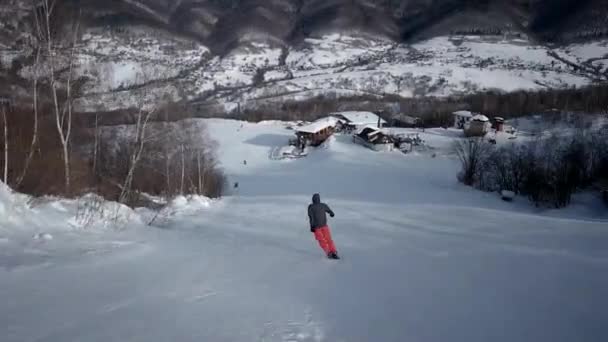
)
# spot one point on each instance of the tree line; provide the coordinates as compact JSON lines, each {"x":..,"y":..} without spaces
{"x":48,"y":149}
{"x":548,"y":170}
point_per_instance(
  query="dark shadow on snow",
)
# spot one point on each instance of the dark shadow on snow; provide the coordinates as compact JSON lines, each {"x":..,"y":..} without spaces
{"x":268,"y":140}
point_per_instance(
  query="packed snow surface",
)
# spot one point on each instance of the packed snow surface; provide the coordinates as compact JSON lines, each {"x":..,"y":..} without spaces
{"x":424,"y":258}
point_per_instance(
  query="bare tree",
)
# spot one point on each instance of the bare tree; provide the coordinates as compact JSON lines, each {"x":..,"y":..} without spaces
{"x":471,"y":153}
{"x":140,"y":141}
{"x":63,"y":113}
{"x":181,"y":187}
{"x":206,"y":165}
{"x":183,"y":153}
{"x":96,"y":144}
{"x":5,"y":124}
{"x":201,"y":176}
{"x":167,"y":168}
{"x":32,"y":150}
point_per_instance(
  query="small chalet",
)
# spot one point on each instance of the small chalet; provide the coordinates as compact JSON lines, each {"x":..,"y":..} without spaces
{"x":317,"y":132}
{"x":478,"y":126}
{"x":498,"y":124}
{"x":461,"y":118}
{"x":373,"y":138}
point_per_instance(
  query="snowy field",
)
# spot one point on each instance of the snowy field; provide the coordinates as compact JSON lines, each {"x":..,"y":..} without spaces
{"x":424,"y":257}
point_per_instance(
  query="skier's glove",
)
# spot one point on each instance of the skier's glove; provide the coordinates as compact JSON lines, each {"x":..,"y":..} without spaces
{"x":332,"y":215}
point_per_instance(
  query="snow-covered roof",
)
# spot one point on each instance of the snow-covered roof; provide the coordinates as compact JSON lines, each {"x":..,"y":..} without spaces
{"x":374,"y":129}
{"x":480,"y":117}
{"x":463,"y":113}
{"x":359,"y":118}
{"x":318,"y":125}
{"x":371,"y":134}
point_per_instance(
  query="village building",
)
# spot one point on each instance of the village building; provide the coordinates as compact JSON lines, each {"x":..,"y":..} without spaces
{"x":478,"y":126}
{"x":316,"y":133}
{"x":461,"y":118}
{"x":373,"y":138}
{"x":498,"y":124}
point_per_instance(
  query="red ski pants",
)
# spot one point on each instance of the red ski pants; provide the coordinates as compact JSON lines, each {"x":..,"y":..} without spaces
{"x":323,"y":236}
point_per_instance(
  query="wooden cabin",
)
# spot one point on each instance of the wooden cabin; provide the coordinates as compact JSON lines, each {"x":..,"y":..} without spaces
{"x":315,"y":133}
{"x":462,"y":118}
{"x":478,"y":126}
{"x":375,"y":139}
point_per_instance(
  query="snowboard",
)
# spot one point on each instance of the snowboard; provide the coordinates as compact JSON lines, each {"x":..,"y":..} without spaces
{"x":333,"y":256}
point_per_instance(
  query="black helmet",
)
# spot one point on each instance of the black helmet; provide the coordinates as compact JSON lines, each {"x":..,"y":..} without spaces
{"x":316,"y":198}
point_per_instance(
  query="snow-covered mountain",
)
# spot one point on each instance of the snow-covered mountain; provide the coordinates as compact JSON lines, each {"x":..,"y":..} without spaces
{"x":142,"y":51}
{"x":222,"y":23}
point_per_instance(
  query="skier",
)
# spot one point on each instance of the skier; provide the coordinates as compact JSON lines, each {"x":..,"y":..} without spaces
{"x":318,"y":225}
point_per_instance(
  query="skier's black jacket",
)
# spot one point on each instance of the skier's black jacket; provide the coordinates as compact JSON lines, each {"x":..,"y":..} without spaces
{"x":316,"y":213}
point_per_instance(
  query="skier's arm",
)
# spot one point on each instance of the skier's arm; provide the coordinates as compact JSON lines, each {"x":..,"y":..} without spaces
{"x":310,"y":219}
{"x":327,"y":209}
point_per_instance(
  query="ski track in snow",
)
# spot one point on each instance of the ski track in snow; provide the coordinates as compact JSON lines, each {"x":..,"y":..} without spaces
{"x":425,"y":259}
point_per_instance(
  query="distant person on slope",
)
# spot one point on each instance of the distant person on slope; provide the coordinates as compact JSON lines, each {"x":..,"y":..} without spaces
{"x":318,"y":225}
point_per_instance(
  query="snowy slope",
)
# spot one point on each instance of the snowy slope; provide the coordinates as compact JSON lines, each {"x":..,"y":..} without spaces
{"x":425,"y":258}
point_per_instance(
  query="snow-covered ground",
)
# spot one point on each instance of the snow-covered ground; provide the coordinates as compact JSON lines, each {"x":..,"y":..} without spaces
{"x":424,"y":257}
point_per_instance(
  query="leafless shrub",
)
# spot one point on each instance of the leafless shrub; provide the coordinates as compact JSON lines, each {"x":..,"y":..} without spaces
{"x":507,"y":168}
{"x":547,"y":170}
{"x":472,"y":153}
{"x":89,"y":209}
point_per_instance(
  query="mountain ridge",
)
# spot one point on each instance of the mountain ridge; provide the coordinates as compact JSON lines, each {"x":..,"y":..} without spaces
{"x":218,"y":24}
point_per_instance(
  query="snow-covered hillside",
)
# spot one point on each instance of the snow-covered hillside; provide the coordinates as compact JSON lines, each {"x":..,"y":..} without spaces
{"x":349,"y":65}
{"x":135,"y":65}
{"x":424,"y":257}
